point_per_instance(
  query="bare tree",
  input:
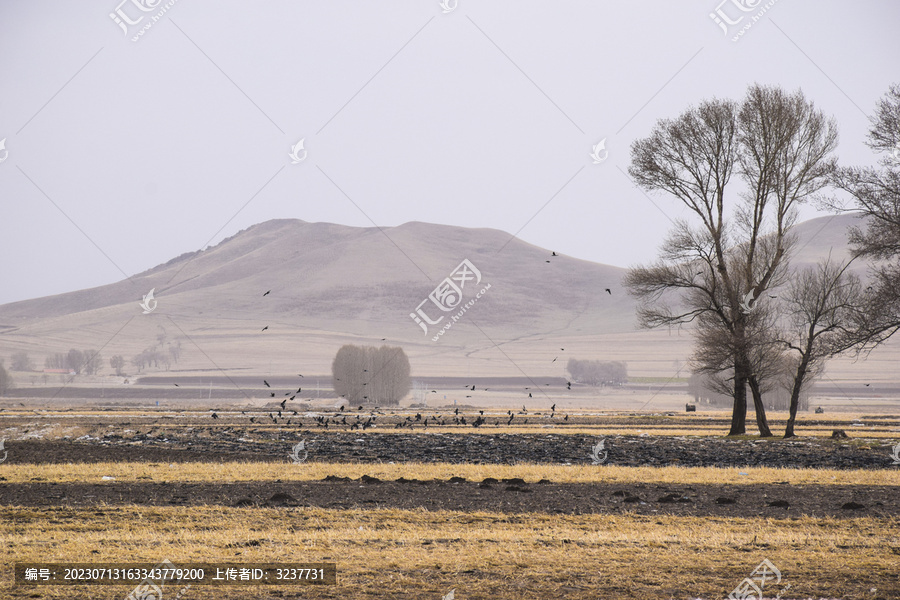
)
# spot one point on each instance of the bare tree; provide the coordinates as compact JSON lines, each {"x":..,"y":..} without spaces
{"x":93,"y":362}
{"x":876,"y":192}
{"x":735,"y":246}
{"x":370,"y":375}
{"x":6,"y":383}
{"x":117,"y":362}
{"x":821,"y":304}
{"x":20,"y":361}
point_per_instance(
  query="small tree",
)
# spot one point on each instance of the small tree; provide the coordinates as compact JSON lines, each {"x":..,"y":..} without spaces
{"x":75,"y":360}
{"x":93,"y":362}
{"x":822,"y":303}
{"x":20,"y":361}
{"x":6,"y":383}
{"x":117,"y":362}
{"x":370,"y":375}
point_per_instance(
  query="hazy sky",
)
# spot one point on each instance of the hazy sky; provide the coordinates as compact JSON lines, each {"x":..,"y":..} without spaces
{"x":123,"y":154}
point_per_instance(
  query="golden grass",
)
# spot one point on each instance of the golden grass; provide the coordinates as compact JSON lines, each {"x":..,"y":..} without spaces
{"x":420,"y":554}
{"x":230,"y":472}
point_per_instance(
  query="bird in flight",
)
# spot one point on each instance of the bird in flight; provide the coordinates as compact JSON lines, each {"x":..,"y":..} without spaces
{"x":267,"y":293}
{"x":214,"y":416}
{"x":176,"y":385}
{"x":266,"y":327}
{"x":554,"y":254}
{"x":608,"y":291}
{"x":554,"y":360}
{"x":267,"y":383}
{"x":283,"y":403}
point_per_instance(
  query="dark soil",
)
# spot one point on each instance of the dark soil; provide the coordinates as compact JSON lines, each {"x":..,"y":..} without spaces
{"x":513,"y":496}
{"x":172,"y":445}
{"x":777,"y":501}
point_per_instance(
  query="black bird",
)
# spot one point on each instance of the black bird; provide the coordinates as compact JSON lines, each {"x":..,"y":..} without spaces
{"x":567,"y":418}
{"x":299,"y":375}
{"x":360,"y":408}
{"x":267,"y":293}
{"x":554,"y":360}
{"x":608,"y":291}
{"x":294,"y":396}
{"x":553,"y":408}
{"x":569,"y":384}
{"x":867,"y":384}
{"x":267,"y":383}
{"x":529,"y":395}
{"x":214,"y":416}
{"x":264,"y":328}
{"x":473,"y":388}
{"x":481,"y":412}
{"x":342,"y":408}
{"x":252,"y":420}
{"x":554,"y":254}
{"x":299,"y":390}
{"x":273,"y":394}
{"x":175,"y":384}
{"x":456,"y":412}
{"x":511,"y":417}
{"x":547,"y":261}
{"x":295,"y":412}
{"x":279,"y":414}
{"x":283,"y":403}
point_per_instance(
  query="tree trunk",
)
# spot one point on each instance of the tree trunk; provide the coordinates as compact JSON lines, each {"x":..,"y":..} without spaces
{"x":795,"y":396}
{"x":739,"y":412}
{"x":761,"y":422}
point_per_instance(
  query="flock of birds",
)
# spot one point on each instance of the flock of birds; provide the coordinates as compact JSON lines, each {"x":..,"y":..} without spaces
{"x":340,"y":419}
{"x":409,"y":422}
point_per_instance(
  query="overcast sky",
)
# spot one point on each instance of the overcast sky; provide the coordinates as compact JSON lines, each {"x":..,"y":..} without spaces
{"x":123,"y":154}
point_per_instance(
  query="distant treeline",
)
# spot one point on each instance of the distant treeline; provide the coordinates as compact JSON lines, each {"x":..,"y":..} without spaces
{"x":598,"y":372}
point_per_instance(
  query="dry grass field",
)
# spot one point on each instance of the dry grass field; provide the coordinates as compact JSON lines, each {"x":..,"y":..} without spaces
{"x":604,"y":551}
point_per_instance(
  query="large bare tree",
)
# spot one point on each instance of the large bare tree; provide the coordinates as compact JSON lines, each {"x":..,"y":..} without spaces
{"x":741,"y":170}
{"x":876,"y":192}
